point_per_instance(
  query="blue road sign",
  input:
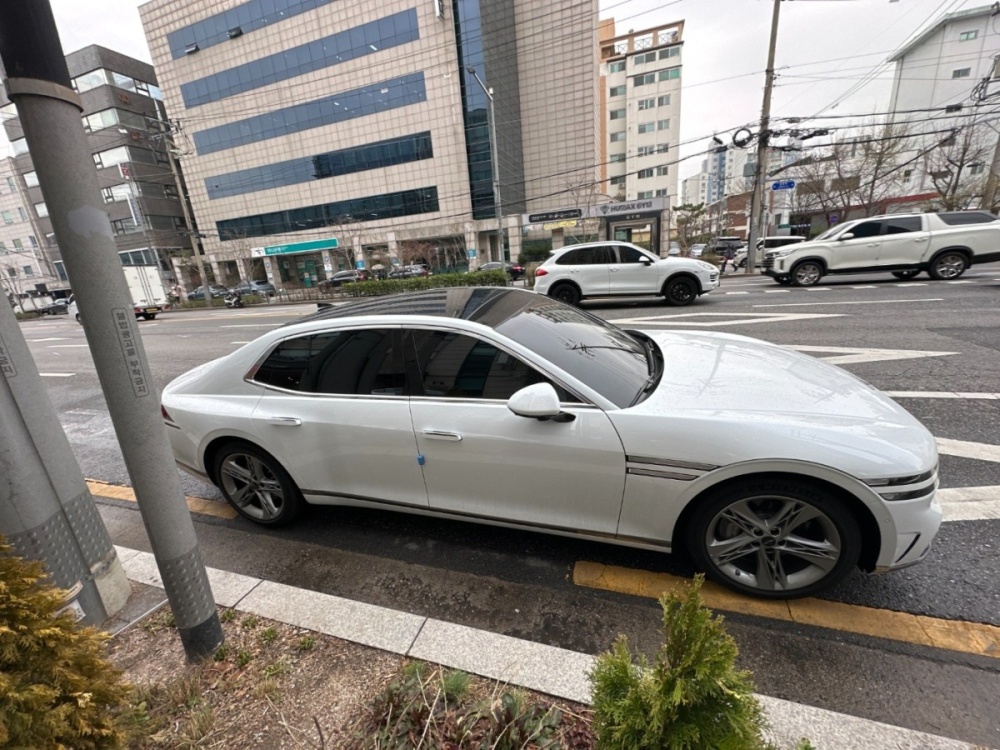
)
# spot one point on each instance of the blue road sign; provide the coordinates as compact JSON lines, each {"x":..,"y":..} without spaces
{"x":783,"y":185}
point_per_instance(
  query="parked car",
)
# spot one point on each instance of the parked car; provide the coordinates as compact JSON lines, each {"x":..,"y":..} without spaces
{"x":340,"y":278}
{"x":764,"y":244}
{"x":697,"y":250}
{"x":409,"y":272}
{"x":216,"y":290}
{"x":944,"y":245}
{"x":263,"y":288}
{"x":514,"y":270}
{"x":610,"y":269}
{"x":56,"y":307}
{"x":718,"y":245}
{"x":527,"y":412}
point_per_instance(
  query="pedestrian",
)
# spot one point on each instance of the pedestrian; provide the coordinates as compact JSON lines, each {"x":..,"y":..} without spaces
{"x":728,"y":256}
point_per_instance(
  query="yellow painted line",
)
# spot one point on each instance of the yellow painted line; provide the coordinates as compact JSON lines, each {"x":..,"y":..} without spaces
{"x":953,"y":635}
{"x":195,"y":504}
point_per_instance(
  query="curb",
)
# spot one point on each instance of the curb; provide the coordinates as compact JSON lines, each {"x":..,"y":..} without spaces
{"x":546,"y":669}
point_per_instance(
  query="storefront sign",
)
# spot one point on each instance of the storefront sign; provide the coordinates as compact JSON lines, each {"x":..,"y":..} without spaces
{"x":614,"y":210}
{"x":330,"y":243}
{"x":560,"y":224}
{"x":565,"y":213}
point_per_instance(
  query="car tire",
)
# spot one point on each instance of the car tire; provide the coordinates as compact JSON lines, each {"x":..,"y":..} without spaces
{"x":256,"y":485}
{"x":565,"y":293}
{"x":148,"y":316}
{"x":79,"y":319}
{"x":807,"y":273}
{"x":908,"y":274}
{"x":948,"y":265}
{"x":680,"y":292}
{"x":827,"y":532}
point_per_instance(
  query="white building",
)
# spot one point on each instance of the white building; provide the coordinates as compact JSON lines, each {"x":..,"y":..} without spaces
{"x":694,"y":189}
{"x":25,"y":274}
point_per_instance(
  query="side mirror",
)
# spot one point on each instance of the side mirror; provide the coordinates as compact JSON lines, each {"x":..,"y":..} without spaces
{"x":647,"y":261}
{"x":538,"y":401}
{"x":846,"y":236}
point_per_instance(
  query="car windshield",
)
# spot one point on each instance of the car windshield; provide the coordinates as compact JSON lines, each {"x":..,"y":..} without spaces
{"x":834,"y":230}
{"x":604,"y":357}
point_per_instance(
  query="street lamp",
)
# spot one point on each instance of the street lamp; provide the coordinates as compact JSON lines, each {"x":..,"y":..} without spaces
{"x":491,"y":116}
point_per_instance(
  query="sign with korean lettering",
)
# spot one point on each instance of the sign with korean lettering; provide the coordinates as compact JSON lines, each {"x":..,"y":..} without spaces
{"x":127,"y":335}
{"x":7,"y":368}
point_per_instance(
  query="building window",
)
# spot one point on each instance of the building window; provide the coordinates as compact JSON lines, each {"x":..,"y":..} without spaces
{"x":29,"y":271}
{"x":616,"y":158}
{"x":32,"y":241}
{"x":644,"y":80}
{"x":617,"y":137}
{"x":617,"y":114}
{"x":968,"y":36}
{"x":18,"y":245}
{"x":125,"y":226}
{"x":116,"y":193}
{"x":647,"y":103}
{"x":8,"y":217}
{"x":60,"y":270}
{"x":961,"y":72}
{"x":670,"y":74}
{"x":671,"y":52}
{"x":3,"y":248}
{"x":617,"y":66}
{"x":368,"y":208}
{"x":645,"y":150}
{"x":346,"y":105}
{"x":108,"y":118}
{"x":663,"y":124}
{"x":19,"y":146}
{"x":662,"y":148}
{"x":646,"y":57}
{"x":620,"y":180}
{"x":647,"y":127}
{"x":663,"y":101}
{"x":662,"y":171}
{"x":661,"y":192}
{"x":617,"y":91}
{"x":643,"y":194}
{"x":977,"y":168}
{"x":342,"y":47}
{"x":122,"y":154}
{"x":12,"y":186}
{"x":30,"y":179}
{"x":644,"y":174}
{"x":21,"y":214}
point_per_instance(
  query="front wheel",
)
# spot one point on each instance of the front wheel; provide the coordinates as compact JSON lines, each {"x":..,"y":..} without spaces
{"x":776,"y":539}
{"x":680,"y":292}
{"x":948,"y":265}
{"x":908,"y":274}
{"x":256,"y":485}
{"x":566,"y":293}
{"x":807,"y":273}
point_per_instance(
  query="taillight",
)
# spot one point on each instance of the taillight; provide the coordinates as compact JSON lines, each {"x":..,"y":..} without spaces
{"x":541,"y":272}
{"x":164,"y":414}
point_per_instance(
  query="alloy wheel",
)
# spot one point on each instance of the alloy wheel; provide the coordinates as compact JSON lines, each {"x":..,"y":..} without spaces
{"x":252,"y":486}
{"x":807,"y":274}
{"x":949,"y":266}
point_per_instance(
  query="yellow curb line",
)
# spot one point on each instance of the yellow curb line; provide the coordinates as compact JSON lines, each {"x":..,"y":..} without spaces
{"x":195,"y":504}
{"x":953,"y":635}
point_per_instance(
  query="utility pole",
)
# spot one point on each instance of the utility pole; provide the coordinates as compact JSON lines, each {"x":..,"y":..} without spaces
{"x":491,"y":116}
{"x":38,"y":81}
{"x":757,"y":208}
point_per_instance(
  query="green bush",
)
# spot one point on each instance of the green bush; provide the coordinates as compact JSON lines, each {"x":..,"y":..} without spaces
{"x":57,"y":690}
{"x":535,"y":251}
{"x":691,"y":698}
{"x":419,"y":283}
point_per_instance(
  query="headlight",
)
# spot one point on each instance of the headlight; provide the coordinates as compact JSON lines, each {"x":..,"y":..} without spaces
{"x":706,"y":266}
{"x":779,"y":253}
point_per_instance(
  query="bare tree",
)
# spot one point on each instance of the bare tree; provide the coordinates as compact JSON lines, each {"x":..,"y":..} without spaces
{"x":16,"y":285}
{"x":585,"y":195}
{"x":241,"y":247}
{"x":688,"y":220}
{"x":957,"y":171}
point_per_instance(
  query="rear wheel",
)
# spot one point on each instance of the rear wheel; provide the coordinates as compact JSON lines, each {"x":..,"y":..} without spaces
{"x":908,"y":274}
{"x":776,"y":539}
{"x":148,"y":316}
{"x":566,"y":293}
{"x":680,"y":292}
{"x":256,"y":485}
{"x":807,"y":273}
{"x":948,"y":265}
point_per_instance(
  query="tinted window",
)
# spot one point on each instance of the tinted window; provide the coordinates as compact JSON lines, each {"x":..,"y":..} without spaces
{"x":631,"y":255}
{"x":966,"y":217}
{"x":343,"y":362}
{"x":902,"y":225}
{"x":453,"y":365}
{"x":586,"y":256}
{"x":867,"y":229}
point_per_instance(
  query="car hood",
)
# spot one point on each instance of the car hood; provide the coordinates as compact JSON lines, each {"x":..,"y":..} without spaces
{"x":735,"y":398}
{"x":675,"y":263}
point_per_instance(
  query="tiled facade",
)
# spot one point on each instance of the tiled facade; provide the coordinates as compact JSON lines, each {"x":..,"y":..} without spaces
{"x":415,"y":85}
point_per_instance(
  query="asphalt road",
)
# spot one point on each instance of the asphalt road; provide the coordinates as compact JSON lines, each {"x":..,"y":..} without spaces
{"x":916,"y":336}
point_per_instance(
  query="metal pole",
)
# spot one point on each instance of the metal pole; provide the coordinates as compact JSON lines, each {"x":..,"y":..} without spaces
{"x":757,"y":209}
{"x":992,"y":180}
{"x":38,"y":81}
{"x":46,"y":510}
{"x":491,"y":117}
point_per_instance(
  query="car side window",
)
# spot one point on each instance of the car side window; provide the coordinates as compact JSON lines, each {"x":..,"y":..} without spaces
{"x":867,"y":229}
{"x":454,"y":365}
{"x":902,"y":225}
{"x":631,"y":255}
{"x":572,"y":258}
{"x":365,"y":362}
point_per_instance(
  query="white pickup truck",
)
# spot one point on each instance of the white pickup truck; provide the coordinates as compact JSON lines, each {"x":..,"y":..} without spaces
{"x":943,"y":244}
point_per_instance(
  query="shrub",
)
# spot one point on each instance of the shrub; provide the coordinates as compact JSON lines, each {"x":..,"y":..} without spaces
{"x":691,"y":698}
{"x":419,"y":283}
{"x":57,"y":690}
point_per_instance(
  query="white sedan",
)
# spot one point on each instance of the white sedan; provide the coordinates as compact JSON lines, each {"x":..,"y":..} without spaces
{"x":777,"y":472}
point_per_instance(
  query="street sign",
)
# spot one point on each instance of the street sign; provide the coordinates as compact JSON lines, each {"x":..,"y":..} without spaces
{"x":834,"y":218}
{"x":783,"y":185}
{"x":300,"y":247}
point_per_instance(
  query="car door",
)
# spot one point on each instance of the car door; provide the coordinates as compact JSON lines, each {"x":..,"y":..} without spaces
{"x":589,"y":267}
{"x":336,"y":415}
{"x":858,"y":252}
{"x":634,"y":273}
{"x":482,"y":460}
{"x":903,"y":243}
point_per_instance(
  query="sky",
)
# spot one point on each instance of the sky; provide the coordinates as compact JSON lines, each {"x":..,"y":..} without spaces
{"x":824,"y":48}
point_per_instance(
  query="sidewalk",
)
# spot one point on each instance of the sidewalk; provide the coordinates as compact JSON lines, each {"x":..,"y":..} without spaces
{"x":535,"y":666}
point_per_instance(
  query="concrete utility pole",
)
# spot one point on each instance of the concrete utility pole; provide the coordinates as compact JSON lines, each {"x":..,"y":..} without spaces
{"x":46,"y":510}
{"x":491,"y":116}
{"x":38,"y":81}
{"x":757,"y":208}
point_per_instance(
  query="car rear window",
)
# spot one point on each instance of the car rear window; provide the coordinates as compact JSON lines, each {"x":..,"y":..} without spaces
{"x":966,"y":217}
{"x":586,"y":256}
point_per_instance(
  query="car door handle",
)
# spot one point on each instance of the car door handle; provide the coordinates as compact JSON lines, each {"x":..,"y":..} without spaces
{"x":442,"y":435}
{"x":285,"y":421}
{"x":613,"y":269}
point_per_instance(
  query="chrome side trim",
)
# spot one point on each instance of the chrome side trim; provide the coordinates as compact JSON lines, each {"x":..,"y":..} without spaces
{"x":661,"y":474}
{"x":192,"y":471}
{"x":669,"y":462}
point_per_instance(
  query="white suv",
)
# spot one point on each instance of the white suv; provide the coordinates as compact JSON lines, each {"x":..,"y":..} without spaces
{"x":612,"y":269}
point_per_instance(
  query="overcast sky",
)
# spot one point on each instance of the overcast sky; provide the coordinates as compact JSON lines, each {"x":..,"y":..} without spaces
{"x":824,"y":47}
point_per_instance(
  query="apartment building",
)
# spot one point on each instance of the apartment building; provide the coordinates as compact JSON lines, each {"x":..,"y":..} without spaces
{"x":25,"y":273}
{"x":323,"y":135}
{"x":123,"y":117}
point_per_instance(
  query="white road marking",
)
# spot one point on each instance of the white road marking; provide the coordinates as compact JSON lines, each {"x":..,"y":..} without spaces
{"x":855,"y":302}
{"x":870,"y":286}
{"x":239,"y":342}
{"x":776,"y":291}
{"x":941,"y":394}
{"x":819,"y":289}
{"x":745,"y":319}
{"x":965,"y":449}
{"x":57,"y":374}
{"x":254,"y":325}
{"x":970,"y":503}
{"x":846,"y":355}
{"x":736,"y":292}
{"x":963,"y":281}
{"x":912,"y":284}
{"x":39,"y":341}
{"x":69,"y":346}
